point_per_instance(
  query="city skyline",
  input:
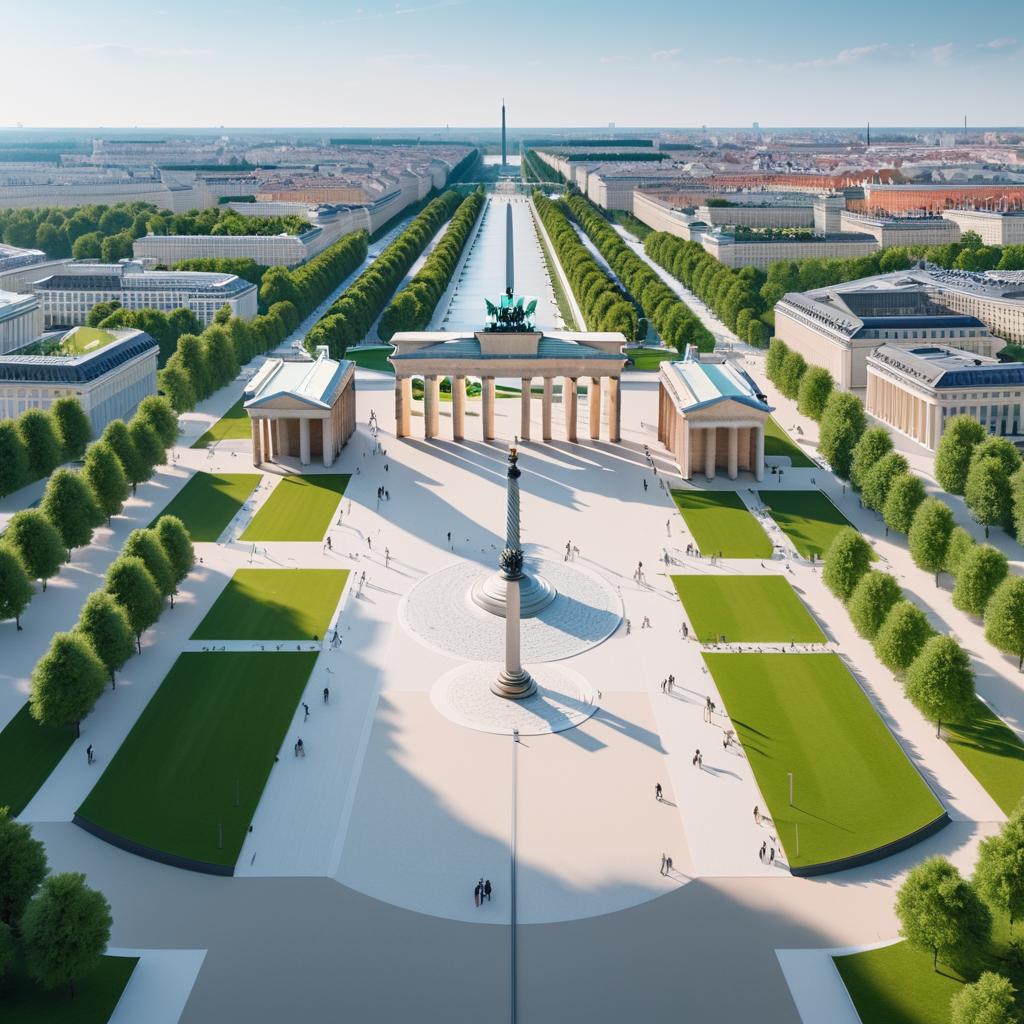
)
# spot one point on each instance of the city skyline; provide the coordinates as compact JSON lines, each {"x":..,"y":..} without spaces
{"x":289,"y":65}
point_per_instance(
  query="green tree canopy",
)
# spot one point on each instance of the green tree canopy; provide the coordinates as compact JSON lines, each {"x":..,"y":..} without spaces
{"x":1004,"y":618}
{"x":13,"y":458}
{"x":74,"y":431}
{"x":879,"y":478}
{"x":846,"y":561}
{"x":117,"y":436}
{"x":161,"y":417}
{"x":65,"y":930}
{"x":987,"y":493}
{"x":105,"y":475}
{"x":953,"y":455}
{"x":939,"y":912}
{"x":36,"y":542}
{"x":42,"y":446}
{"x":989,"y":1000}
{"x":793,"y":368}
{"x":815,"y":386}
{"x":22,"y":867}
{"x":842,"y":424}
{"x":15,"y":586}
{"x":901,"y":636}
{"x":66,"y":682}
{"x":906,"y":492}
{"x":872,"y":598}
{"x":874,"y":444}
{"x":131,"y":585}
{"x":145,"y":544}
{"x":999,"y":872}
{"x":8,"y":949}
{"x":940,"y":683}
{"x":104,"y":624}
{"x":147,"y":444}
{"x":981,"y":570}
{"x":777,"y":352}
{"x":177,"y":545}
{"x":69,"y":504}
{"x":961,"y":543}
{"x":929,"y":534}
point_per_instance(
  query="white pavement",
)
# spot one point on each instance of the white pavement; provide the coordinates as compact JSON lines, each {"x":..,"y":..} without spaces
{"x":159,"y":986}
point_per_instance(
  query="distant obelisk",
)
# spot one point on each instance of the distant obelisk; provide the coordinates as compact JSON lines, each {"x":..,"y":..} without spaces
{"x":513,"y":682}
{"x":510,"y":279}
{"x":504,"y":151}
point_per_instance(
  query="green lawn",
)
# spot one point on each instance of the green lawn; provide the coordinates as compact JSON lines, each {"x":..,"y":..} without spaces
{"x":854,"y":788}
{"x":274,"y":604}
{"x":778,"y":442}
{"x":896,"y":984}
{"x":211,"y":732}
{"x":28,"y":753}
{"x":234,"y":425}
{"x":992,"y":753}
{"x":25,"y":1002}
{"x":372,"y":357}
{"x":746,"y":608}
{"x":808,"y":518}
{"x":209,"y":501}
{"x":721,"y":523}
{"x":650,"y":358}
{"x":299,"y":508}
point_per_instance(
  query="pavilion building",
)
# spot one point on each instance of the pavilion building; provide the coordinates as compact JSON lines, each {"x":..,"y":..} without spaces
{"x":519,"y":355}
{"x":711,"y":416}
{"x":301,"y":409}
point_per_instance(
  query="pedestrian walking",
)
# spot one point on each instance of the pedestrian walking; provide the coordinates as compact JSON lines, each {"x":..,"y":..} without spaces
{"x":305,"y":708}
{"x":762,"y":851}
{"x":450,"y":540}
{"x":488,"y":890}
{"x":757,"y":815}
{"x":629,"y":627}
{"x":668,"y":865}
{"x":477,"y":894}
{"x":330,"y":546}
{"x":664,"y":861}
{"x":88,"y":754}
{"x":657,"y":792}
{"x":387,"y":494}
{"x":696,"y":756}
{"x":771,"y":857}
{"x":387,"y":557}
{"x":369,"y":543}
{"x":668,"y":527}
{"x":645,"y":484}
{"x":327,"y":692}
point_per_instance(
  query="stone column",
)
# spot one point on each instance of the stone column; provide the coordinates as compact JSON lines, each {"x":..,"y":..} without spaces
{"x":487,"y":392}
{"x":304,"y":441}
{"x":458,"y":408}
{"x":614,"y":409}
{"x":406,"y":405}
{"x":268,"y":448}
{"x":280,"y":438}
{"x":401,"y":409}
{"x":710,"y":451}
{"x":734,"y":449}
{"x":546,"y":409}
{"x":431,"y":399}
{"x":257,"y":446}
{"x":759,"y":454}
{"x":328,"y":439}
{"x":569,"y":394}
{"x":524,"y":408}
{"x":594,"y":404}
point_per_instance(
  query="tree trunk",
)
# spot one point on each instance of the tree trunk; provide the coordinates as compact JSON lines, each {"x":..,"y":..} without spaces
{"x":138,"y":642}
{"x":44,"y":586}
{"x":935,"y":959}
{"x":78,"y":729}
{"x":938,"y":729}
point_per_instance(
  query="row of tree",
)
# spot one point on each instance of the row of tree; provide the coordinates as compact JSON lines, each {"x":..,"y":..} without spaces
{"x":222,"y":220}
{"x":306,"y":286}
{"x":70,"y":677}
{"x":352,"y":314}
{"x":39,"y":540}
{"x":164,"y":328}
{"x":57,"y":230}
{"x":605,"y":306}
{"x":247,"y":269}
{"x":55,"y":924}
{"x":733,"y":295}
{"x":38,"y":441}
{"x":865,"y":457}
{"x":412,"y":308}
{"x":536,"y":170}
{"x":950,"y":918}
{"x":674,"y":321}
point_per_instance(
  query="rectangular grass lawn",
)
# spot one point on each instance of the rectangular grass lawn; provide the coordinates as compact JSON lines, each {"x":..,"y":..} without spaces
{"x":778,"y":442}
{"x":854,"y":788}
{"x":372,"y":357}
{"x":234,"y":425}
{"x":215,"y":724}
{"x":808,"y":518}
{"x":299,"y":508}
{"x":24,"y":1001}
{"x":992,"y":753}
{"x":28,"y":754}
{"x":746,"y":608}
{"x":209,"y":501}
{"x":720,"y":522}
{"x":274,"y":604}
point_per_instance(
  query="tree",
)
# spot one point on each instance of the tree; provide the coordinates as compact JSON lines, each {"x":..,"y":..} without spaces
{"x":842,"y":424}
{"x":999,"y":873}
{"x":847,"y":559}
{"x":36,"y":542}
{"x":88,"y":246}
{"x":104,"y":624}
{"x":1000,"y":449}
{"x":940,"y":683}
{"x":873,"y":445}
{"x":176,"y":386}
{"x":8,"y":949}
{"x":66,"y":682}
{"x":875,"y":593}
{"x":69,"y":504}
{"x":1004,"y":618}
{"x":177,"y":546}
{"x":145,"y":544}
{"x":901,"y":636}
{"x":147,"y":443}
{"x":878,"y":480}
{"x":929,"y":535}
{"x":131,"y":585}
{"x":105,"y":475}
{"x":73,"y":428}
{"x":987,"y":494}
{"x":793,"y":368}
{"x":65,"y":930}
{"x":815,"y":387}
{"x":120,"y":440}
{"x":13,"y":458}
{"x":15,"y":586}
{"x":1016,"y":502}
{"x":22,"y":867}
{"x":777,"y":352}
{"x":981,"y":570}
{"x":940,"y":913}
{"x":906,"y":492}
{"x":953,"y":455}
{"x":42,"y":446}
{"x":989,"y":1000}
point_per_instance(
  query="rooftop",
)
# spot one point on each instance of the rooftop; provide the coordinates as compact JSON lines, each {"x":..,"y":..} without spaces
{"x":85,"y":358}
{"x":508,"y":345}
{"x":942,"y":367}
{"x":15,"y":303}
{"x":700,"y":384}
{"x":312,"y":382}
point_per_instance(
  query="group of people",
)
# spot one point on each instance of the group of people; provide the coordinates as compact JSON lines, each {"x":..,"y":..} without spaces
{"x":482,"y":892}
{"x":667,"y":683}
{"x":571,"y":552}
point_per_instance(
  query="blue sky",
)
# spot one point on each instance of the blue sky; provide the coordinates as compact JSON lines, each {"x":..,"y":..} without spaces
{"x":558,"y":62}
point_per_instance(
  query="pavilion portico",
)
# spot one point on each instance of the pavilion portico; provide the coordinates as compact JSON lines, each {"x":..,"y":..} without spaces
{"x":301,"y":409}
{"x":595,"y":357}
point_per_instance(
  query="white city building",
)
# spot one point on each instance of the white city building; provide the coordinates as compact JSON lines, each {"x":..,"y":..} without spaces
{"x":20,"y":320}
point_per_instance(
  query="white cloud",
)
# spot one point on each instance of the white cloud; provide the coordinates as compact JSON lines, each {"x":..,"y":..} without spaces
{"x":662,"y":56}
{"x":851,"y":55}
{"x":941,"y":54}
{"x":1002,"y":43}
